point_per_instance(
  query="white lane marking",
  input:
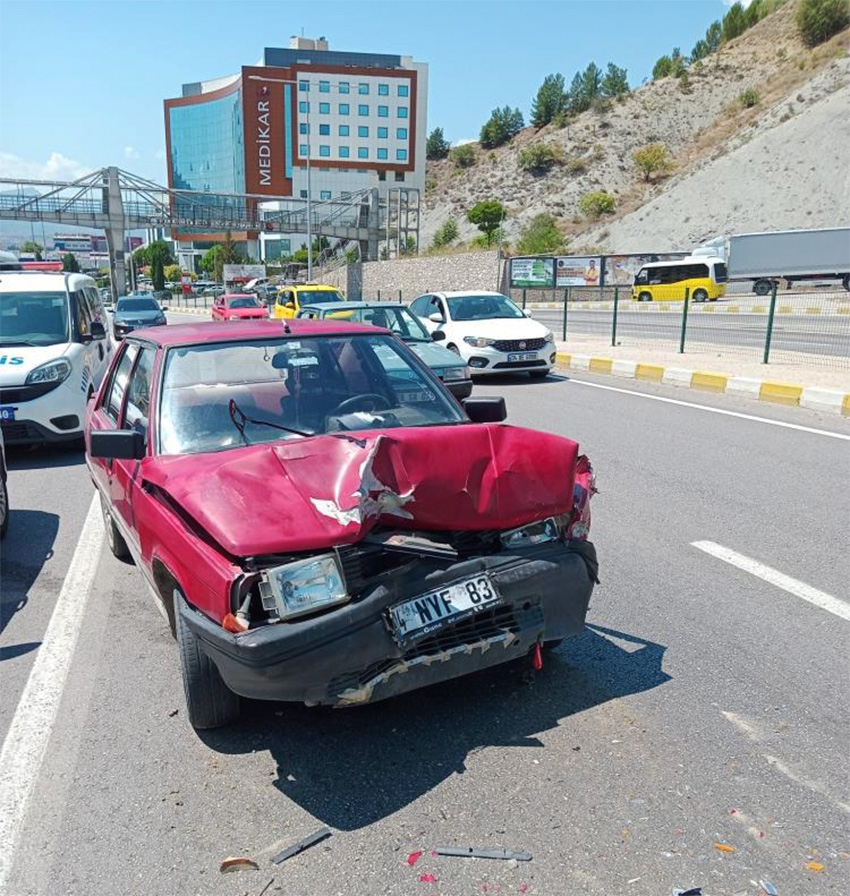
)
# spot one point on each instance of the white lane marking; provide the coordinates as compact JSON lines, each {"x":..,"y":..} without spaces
{"x":711,"y":410}
{"x":28,"y":735}
{"x":786,"y":583}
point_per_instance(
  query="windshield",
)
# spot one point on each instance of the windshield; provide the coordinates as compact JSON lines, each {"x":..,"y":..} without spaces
{"x":245,"y":302}
{"x":399,"y":320}
{"x":33,"y":318}
{"x":224,"y":395}
{"x":137,"y":305}
{"x":316,"y":296}
{"x":482,"y":307}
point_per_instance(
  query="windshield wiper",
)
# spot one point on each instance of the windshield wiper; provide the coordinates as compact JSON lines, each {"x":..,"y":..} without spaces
{"x":240,"y":418}
{"x":24,"y":342}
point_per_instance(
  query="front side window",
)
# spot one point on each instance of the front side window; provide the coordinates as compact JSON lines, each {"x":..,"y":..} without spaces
{"x":83,"y":315}
{"x":720,"y":274}
{"x":118,"y":385}
{"x":137,"y":407}
{"x":33,"y":318}
{"x":483,"y":307}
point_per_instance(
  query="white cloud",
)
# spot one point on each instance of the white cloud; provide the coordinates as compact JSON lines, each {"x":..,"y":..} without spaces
{"x":130,"y":152}
{"x":744,"y":3}
{"x":57,"y":167}
{"x":464,"y":140}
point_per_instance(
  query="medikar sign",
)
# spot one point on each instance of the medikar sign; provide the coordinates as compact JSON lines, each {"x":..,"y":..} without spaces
{"x":265,"y":170}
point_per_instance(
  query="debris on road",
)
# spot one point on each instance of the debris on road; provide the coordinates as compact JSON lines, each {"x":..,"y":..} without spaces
{"x":173,"y":713}
{"x":414,"y":857}
{"x":265,"y":887}
{"x":474,"y":853}
{"x":693,"y":891}
{"x":768,"y":888}
{"x":238,"y":863}
{"x":723,"y":847}
{"x":306,"y":843}
{"x":814,"y":866}
{"x":427,"y":879}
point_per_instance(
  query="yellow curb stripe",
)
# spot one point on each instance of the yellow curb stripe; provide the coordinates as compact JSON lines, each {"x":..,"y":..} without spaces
{"x":780,"y":393}
{"x":601,"y":365}
{"x":708,"y":382}
{"x":733,"y":309}
{"x":786,"y":309}
{"x":844,"y":309}
{"x":652,"y":372}
{"x":563,"y":358}
{"x":759,"y":309}
{"x":845,"y":406}
{"x":812,"y":309}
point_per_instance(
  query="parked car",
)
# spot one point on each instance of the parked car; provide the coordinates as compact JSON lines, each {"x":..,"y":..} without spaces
{"x":238,"y":306}
{"x":396,"y":318}
{"x":163,"y":296}
{"x":133,"y":312}
{"x":4,"y":490}
{"x":199,"y":287}
{"x":322,"y":525}
{"x":291,"y":298}
{"x":490,"y":332}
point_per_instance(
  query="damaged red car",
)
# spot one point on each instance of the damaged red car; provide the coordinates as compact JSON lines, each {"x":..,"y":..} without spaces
{"x":322,"y":521}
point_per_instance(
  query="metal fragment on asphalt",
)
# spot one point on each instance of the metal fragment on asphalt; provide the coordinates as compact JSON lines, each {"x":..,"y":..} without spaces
{"x":472,"y":852}
{"x":238,"y":863}
{"x":768,"y":888}
{"x":693,"y":891}
{"x":301,"y":845}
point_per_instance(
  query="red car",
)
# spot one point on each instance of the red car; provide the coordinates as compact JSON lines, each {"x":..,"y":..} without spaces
{"x":322,"y":521}
{"x":237,"y":306}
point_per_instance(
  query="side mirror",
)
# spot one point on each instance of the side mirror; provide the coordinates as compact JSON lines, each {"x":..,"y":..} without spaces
{"x":527,"y":312}
{"x":96,"y":331}
{"x":438,"y":335}
{"x":485,"y":410}
{"x":164,"y":307}
{"x":436,"y":318}
{"x":117,"y":444}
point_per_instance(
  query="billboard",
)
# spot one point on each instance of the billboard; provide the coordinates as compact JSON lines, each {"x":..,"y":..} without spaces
{"x":578,"y":270}
{"x":263,"y":105}
{"x":533,"y":272}
{"x":620,"y":270}
{"x":243,"y":272}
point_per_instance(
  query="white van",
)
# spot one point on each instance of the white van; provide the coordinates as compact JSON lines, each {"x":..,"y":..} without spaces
{"x":55,"y":347}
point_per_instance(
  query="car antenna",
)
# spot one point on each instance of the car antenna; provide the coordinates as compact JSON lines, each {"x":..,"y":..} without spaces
{"x":286,"y":326}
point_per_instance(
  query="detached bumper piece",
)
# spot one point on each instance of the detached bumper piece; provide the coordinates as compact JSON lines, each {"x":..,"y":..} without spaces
{"x":354,"y":654}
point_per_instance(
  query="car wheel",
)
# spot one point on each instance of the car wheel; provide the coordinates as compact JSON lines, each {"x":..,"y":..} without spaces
{"x":645,"y":297}
{"x":4,"y":507}
{"x":116,"y":540}
{"x":762,"y":287}
{"x":209,"y":701}
{"x":700,"y":295}
{"x":539,"y":374}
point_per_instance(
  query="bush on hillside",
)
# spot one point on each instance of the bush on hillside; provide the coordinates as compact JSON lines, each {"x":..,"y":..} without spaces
{"x":541,"y":237}
{"x":653,"y":159}
{"x":446,"y":234}
{"x":749,"y":98}
{"x":818,"y":20}
{"x":539,"y":158}
{"x":594,"y":205}
{"x":464,"y":155}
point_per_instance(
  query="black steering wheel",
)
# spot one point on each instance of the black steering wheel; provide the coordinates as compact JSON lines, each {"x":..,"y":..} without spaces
{"x":372,"y":401}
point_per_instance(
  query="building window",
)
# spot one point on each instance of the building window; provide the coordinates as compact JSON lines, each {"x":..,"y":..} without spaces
{"x":303,"y":128}
{"x":303,"y":150}
{"x":402,"y":111}
{"x":382,"y":175}
{"x":324,"y":86}
{"x":401,"y":155}
{"x":343,"y":130}
{"x":343,"y":108}
{"x":344,"y":87}
{"x":304,"y":86}
{"x":303,"y":194}
{"x":383,"y":133}
{"x":303,"y":106}
{"x":324,"y":130}
{"x":383,"y":111}
{"x":382,"y":154}
{"x":363,"y":131}
{"x":403,"y":90}
{"x":325,"y":150}
{"x":362,"y":152}
{"x":399,"y":176}
{"x":363,"y":110}
{"x":344,"y":151}
{"x":363,"y":88}
{"x":401,"y":133}
{"x":325,"y":109}
{"x":325,"y":194}
{"x":383,"y":90}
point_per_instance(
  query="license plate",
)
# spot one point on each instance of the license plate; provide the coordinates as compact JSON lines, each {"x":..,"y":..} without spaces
{"x":7,"y":414}
{"x":522,"y":356}
{"x":430,"y":612}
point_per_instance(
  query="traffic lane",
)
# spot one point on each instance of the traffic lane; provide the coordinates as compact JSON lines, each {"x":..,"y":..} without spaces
{"x":49,"y":493}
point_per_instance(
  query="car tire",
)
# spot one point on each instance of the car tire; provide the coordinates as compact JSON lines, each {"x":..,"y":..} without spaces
{"x":762,"y":287}
{"x":645,"y":297}
{"x":846,"y":282}
{"x":209,"y":701}
{"x":539,"y":374}
{"x":4,"y":507}
{"x":700,"y":295}
{"x":116,"y":541}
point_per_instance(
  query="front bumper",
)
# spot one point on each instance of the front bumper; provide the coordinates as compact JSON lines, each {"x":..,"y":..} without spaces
{"x":348,"y":656}
{"x":54,"y":416}
{"x":484,"y":361}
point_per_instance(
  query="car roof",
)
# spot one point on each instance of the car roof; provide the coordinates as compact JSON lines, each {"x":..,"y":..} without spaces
{"x":469,"y":292}
{"x":42,"y":281}
{"x":313,"y":287}
{"x":215,"y":331}
{"x":237,"y":295}
{"x":350,"y":306}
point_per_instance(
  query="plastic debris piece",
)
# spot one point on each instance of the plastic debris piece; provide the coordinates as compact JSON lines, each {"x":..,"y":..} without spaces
{"x":173,"y":713}
{"x":307,"y":842}
{"x":471,"y":852}
{"x":523,"y":888}
{"x":238,"y":863}
{"x":265,"y":887}
{"x":537,"y":657}
{"x":814,"y":866}
{"x":693,"y":891}
{"x":768,"y":888}
{"x":234,"y":624}
{"x":723,"y":847}
{"x":414,"y":857}
{"x":427,"y":878}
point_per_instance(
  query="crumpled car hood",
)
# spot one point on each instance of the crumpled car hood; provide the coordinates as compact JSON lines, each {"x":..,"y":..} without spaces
{"x":334,"y":489}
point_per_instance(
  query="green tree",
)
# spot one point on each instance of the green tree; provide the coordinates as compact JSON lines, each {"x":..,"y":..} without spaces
{"x":818,"y":20}
{"x":700,"y":51}
{"x":663,"y":68}
{"x":550,"y":100}
{"x":211,"y":259}
{"x":436,"y":146}
{"x":464,"y":155}
{"x":446,"y":234}
{"x":70,"y":263}
{"x":503,"y":125}
{"x":541,"y":237}
{"x":591,"y":83}
{"x":157,"y":273}
{"x":594,"y":205}
{"x":753,"y":13}
{"x":31,"y":246}
{"x":653,"y":159}
{"x":538,"y":158}
{"x":173,"y":273}
{"x":734,"y":23}
{"x":487,"y":216}
{"x":615,"y":82}
{"x":144,"y":255}
{"x":713,"y":36}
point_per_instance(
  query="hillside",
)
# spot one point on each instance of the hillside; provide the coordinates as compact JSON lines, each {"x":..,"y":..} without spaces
{"x":782,"y":163}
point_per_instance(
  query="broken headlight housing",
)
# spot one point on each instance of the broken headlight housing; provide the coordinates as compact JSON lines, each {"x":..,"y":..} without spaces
{"x":534,"y":533}
{"x":302,"y":587}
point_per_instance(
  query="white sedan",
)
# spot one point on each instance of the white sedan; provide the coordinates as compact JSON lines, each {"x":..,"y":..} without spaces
{"x":490,"y":332}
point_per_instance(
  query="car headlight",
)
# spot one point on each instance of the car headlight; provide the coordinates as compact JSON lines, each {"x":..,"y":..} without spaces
{"x":478,"y":341}
{"x":451,"y":374}
{"x":548,"y":337}
{"x":534,"y":533}
{"x":52,"y":372}
{"x":303,"y":587}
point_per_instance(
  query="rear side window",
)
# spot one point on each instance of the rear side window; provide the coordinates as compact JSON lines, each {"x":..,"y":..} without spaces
{"x":118,"y":383}
{"x":720,"y":275}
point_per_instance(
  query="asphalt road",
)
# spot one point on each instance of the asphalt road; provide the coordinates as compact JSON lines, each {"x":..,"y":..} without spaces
{"x":703,"y":706}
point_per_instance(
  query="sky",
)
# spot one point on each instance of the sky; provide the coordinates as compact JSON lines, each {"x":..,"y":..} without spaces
{"x":82,"y":81}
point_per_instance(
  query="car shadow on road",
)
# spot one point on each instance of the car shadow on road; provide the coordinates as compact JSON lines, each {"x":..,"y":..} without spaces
{"x":351,"y":768}
{"x":26,"y":548}
{"x":41,"y":457}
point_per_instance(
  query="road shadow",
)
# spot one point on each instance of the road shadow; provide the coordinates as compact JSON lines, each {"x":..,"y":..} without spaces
{"x":513,"y":379}
{"x":26,"y":548}
{"x":42,"y":457}
{"x":351,"y":768}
